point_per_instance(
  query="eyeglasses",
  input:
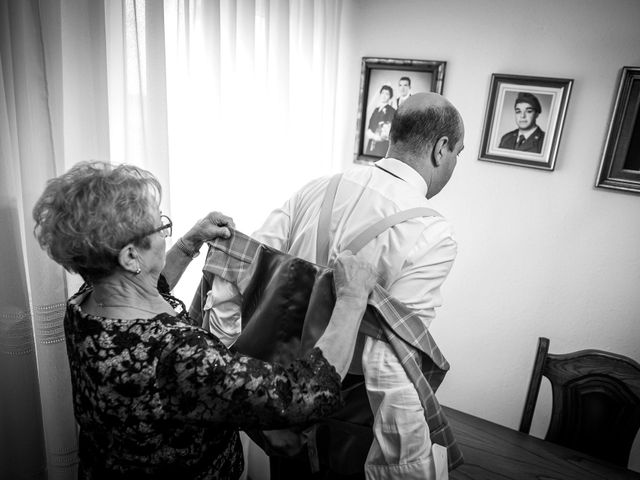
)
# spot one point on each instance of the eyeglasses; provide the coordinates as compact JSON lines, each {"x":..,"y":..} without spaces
{"x":165,"y":229}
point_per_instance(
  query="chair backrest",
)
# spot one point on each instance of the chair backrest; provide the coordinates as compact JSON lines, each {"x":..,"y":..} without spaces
{"x":596,"y":401}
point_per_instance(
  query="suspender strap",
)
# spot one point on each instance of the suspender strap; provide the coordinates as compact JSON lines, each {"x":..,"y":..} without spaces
{"x":324,"y":221}
{"x":376,"y":229}
{"x":364,"y":237}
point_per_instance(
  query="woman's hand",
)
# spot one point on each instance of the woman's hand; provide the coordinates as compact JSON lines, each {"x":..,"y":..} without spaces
{"x":354,"y":281}
{"x":214,"y":225}
{"x":352,"y":277}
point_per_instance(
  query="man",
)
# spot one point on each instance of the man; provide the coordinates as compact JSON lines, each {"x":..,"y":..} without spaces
{"x":413,"y":259}
{"x":404,"y":86}
{"x":528,"y":137}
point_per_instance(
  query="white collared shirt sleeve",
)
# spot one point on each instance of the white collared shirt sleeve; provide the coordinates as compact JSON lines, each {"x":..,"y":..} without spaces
{"x":222,"y":310}
{"x":275,"y":230}
{"x":425,"y":269}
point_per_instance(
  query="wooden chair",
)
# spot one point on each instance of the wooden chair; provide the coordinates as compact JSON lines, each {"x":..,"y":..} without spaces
{"x":596,"y":401}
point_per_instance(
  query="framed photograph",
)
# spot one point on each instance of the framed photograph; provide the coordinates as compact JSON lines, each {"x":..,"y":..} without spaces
{"x":384,"y":84}
{"x":524,"y":119}
{"x":620,"y":165}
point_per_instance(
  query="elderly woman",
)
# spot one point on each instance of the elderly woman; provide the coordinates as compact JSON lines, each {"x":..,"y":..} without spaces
{"x":156,"y":396}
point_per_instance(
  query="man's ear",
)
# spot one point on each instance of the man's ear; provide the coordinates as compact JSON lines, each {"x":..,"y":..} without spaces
{"x":438,"y":150}
{"x":128,"y":258}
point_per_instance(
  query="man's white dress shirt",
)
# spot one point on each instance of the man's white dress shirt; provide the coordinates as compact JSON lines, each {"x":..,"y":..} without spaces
{"x":413,"y":260}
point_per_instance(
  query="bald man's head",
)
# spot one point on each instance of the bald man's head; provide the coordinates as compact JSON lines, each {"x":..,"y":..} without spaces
{"x":422,"y":119}
{"x":427,"y":134}
{"x":424,"y":100}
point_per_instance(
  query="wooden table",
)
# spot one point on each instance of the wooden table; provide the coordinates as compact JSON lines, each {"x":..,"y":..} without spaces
{"x":494,"y":452}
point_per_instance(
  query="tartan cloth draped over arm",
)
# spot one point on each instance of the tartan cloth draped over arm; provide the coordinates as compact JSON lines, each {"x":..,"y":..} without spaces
{"x":236,"y":258}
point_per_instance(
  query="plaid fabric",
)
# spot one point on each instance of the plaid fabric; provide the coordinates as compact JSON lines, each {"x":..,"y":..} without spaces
{"x":416,"y":349}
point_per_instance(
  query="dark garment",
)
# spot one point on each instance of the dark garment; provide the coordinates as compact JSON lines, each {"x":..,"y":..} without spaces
{"x":302,"y":291}
{"x":161,"y":398}
{"x":380,"y":122}
{"x":532,"y":144}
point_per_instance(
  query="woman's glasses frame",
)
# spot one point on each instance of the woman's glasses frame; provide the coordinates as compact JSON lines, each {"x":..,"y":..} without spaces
{"x":166,"y":229}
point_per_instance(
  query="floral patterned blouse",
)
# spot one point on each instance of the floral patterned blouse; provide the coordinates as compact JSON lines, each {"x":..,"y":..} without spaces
{"x":161,"y":398}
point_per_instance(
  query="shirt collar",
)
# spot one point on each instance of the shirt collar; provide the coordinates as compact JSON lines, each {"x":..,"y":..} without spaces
{"x":405,"y":172}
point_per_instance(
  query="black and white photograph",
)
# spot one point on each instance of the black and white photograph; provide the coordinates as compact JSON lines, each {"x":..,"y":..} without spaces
{"x":524,"y":120}
{"x":319,"y":240}
{"x":385,"y":85}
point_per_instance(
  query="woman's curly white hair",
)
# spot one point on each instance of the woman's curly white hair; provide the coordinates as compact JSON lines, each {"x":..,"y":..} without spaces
{"x":85,"y":216}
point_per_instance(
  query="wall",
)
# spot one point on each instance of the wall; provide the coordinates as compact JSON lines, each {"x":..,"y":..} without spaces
{"x":540,"y":253}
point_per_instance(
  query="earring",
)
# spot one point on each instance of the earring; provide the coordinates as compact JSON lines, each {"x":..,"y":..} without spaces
{"x":138,"y":271}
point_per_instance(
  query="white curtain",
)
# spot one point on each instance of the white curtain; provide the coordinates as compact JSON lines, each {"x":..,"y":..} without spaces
{"x":137,"y":87}
{"x":230,"y":103}
{"x":251,"y":99}
{"x":251,"y":90}
{"x":53,"y":112}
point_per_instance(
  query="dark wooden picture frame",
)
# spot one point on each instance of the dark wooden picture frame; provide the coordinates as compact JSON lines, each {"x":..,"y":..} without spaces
{"x":393,"y":75}
{"x":515,"y":106}
{"x":620,"y":164}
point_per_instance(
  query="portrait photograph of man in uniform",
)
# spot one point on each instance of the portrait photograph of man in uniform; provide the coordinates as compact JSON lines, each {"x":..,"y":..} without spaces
{"x":531,"y":115}
{"x":524,"y":119}
{"x":528,"y":136}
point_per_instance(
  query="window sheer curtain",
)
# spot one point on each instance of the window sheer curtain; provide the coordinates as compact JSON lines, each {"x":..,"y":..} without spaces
{"x":53,"y":113}
{"x":231,"y":104}
{"x":251,"y":104}
{"x":24,"y":133}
